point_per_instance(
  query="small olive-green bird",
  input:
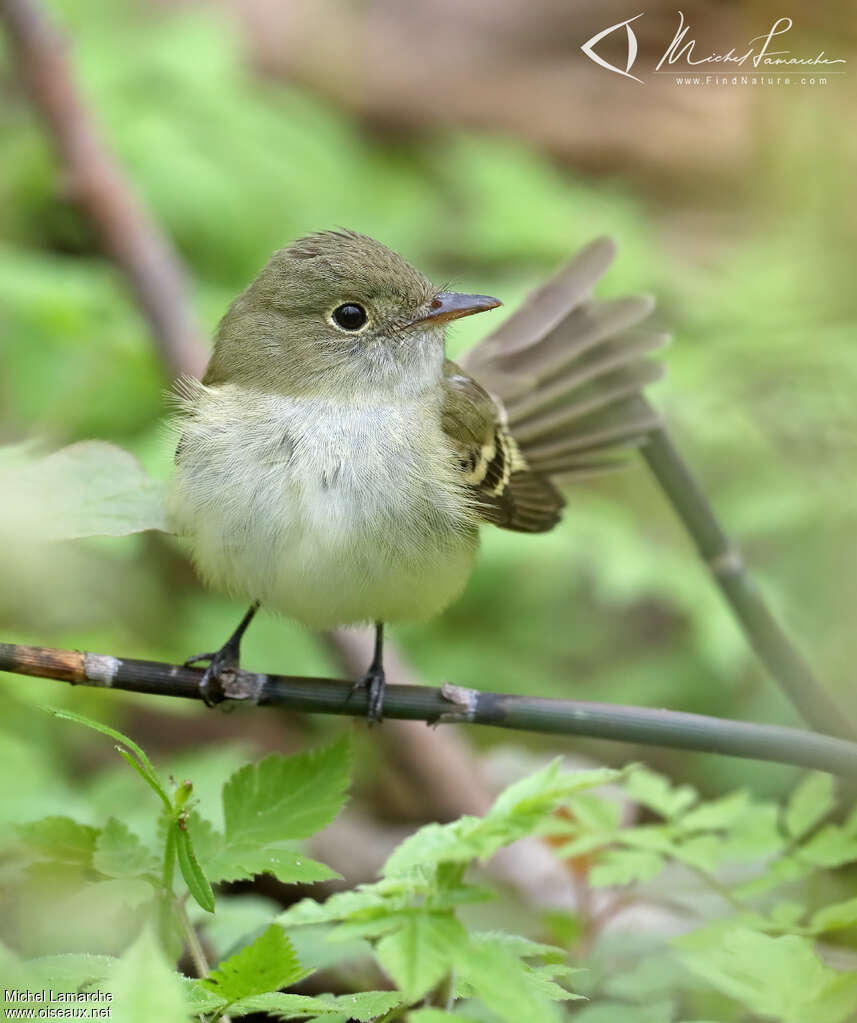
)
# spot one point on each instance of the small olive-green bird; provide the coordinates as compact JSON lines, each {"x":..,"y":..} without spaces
{"x":336,"y":467}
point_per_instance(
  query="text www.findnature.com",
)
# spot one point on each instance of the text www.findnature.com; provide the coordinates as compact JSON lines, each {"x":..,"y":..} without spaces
{"x":749,"y":80}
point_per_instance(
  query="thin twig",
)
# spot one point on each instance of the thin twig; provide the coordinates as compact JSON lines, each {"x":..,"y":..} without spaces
{"x":772,"y":645}
{"x":96,"y":183}
{"x":450,"y":704}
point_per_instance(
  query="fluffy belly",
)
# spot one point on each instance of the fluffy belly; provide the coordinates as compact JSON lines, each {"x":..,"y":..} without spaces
{"x":331,"y":531}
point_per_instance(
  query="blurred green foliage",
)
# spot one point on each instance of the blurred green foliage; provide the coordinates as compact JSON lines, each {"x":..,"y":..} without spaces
{"x":753,"y":274}
{"x":755,"y":284}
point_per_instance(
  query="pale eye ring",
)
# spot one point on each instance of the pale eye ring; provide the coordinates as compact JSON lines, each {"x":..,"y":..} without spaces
{"x":349,"y":316}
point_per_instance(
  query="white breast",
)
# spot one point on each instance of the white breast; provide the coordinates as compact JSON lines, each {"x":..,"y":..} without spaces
{"x":329,"y":513}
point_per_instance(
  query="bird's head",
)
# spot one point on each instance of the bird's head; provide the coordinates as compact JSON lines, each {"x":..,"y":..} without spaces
{"x":338,"y":314}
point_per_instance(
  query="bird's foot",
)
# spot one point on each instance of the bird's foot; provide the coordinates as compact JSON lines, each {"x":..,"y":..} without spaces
{"x":221,"y":661}
{"x":374,"y":681}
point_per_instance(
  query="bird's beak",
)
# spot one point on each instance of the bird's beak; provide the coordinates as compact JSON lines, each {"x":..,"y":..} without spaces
{"x":450,"y":305}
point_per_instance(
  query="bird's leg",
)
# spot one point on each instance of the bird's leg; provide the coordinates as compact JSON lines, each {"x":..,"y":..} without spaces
{"x":224,"y":659}
{"x":374,"y":680}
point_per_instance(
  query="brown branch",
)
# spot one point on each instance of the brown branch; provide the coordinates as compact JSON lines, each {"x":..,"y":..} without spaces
{"x":97,"y":184}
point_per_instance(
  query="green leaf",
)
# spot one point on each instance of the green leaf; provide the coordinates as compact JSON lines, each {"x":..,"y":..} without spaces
{"x":363,"y":1006}
{"x":831,"y":847}
{"x":520,"y":810}
{"x":363,"y":902}
{"x":655,"y":791}
{"x":198,"y":999}
{"x":835,"y":917}
{"x":60,"y":840}
{"x":236,"y":862}
{"x":625,"y":866}
{"x":439,"y":1016}
{"x":194,"y":876}
{"x":70,"y":972}
{"x":540,"y":793}
{"x":418,"y":955}
{"x":622,"y":1012}
{"x":92,"y":489}
{"x":522,"y":947}
{"x":718,"y":814}
{"x":286,"y":797}
{"x":108,"y":897}
{"x":119,"y":853}
{"x":704,"y":852}
{"x":267,"y":965}
{"x":786,"y":915}
{"x":506,"y":985}
{"x":780,"y":977}
{"x":145,"y":988}
{"x":810,"y":802}
{"x":594,"y":813}
{"x":268,"y":805}
{"x":127,"y":747}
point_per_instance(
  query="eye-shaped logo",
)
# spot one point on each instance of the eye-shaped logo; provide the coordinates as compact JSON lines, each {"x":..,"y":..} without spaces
{"x":589,"y":48}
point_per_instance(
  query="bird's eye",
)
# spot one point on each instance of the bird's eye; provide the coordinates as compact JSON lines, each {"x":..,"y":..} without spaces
{"x":349,"y":316}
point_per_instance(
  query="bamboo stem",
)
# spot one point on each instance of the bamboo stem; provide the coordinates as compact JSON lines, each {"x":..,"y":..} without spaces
{"x":786,"y":664}
{"x":450,"y":704}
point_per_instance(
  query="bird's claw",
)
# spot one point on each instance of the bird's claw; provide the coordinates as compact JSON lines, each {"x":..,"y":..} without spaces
{"x":211,"y":684}
{"x":374,"y":682}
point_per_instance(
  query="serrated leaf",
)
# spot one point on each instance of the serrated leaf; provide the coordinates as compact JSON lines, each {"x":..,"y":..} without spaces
{"x":522,"y":947}
{"x":194,"y":876}
{"x":520,"y":810}
{"x":538,"y":980}
{"x":653,"y":837}
{"x":119,"y":853}
{"x":779,"y":977}
{"x":267,"y":965}
{"x":835,"y":917}
{"x":144,"y":988}
{"x":71,"y":971}
{"x":363,"y":1006}
{"x":93,"y":489}
{"x":543,"y":791}
{"x":59,"y":840}
{"x":236,"y":862}
{"x":505,"y":984}
{"x":716,"y":815}
{"x":285,"y":798}
{"x":285,"y":864}
{"x":198,"y":999}
{"x":830,"y":847}
{"x":113,"y":896}
{"x":759,"y":834}
{"x":594,"y":813}
{"x":625,"y":866}
{"x":364,"y":902}
{"x":810,"y":802}
{"x":421,"y":952}
{"x":704,"y":852}
{"x":655,"y":792}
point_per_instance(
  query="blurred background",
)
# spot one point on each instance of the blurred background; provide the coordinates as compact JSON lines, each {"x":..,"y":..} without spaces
{"x":476,"y":138}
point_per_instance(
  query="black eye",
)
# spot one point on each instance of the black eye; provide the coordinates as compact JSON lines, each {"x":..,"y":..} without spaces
{"x":349,"y":316}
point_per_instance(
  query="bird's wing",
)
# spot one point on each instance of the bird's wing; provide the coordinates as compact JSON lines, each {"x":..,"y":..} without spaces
{"x":568,"y":371}
{"x":503,"y":489}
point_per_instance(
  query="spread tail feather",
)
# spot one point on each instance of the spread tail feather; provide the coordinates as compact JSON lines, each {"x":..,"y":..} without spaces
{"x":568,"y":370}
